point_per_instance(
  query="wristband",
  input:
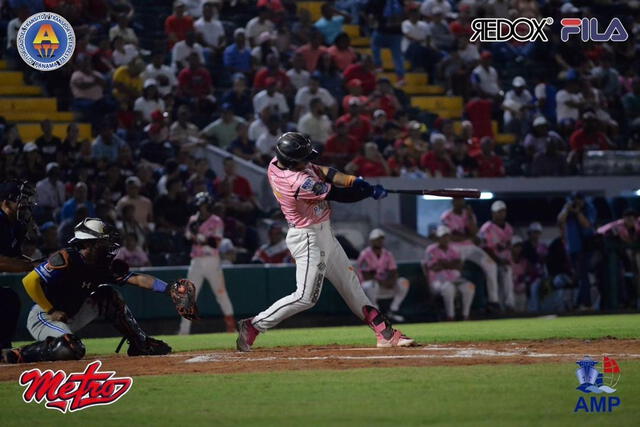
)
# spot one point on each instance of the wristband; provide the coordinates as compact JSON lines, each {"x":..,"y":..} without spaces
{"x":159,"y":285}
{"x":331,"y":174}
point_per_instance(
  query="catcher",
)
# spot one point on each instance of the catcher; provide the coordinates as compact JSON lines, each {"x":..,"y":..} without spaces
{"x":74,"y":287}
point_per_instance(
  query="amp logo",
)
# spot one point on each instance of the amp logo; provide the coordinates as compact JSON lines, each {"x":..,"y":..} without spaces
{"x":588,"y":30}
{"x":593,"y":381}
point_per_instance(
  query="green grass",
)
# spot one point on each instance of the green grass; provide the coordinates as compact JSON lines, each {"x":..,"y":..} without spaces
{"x":585,"y":327}
{"x":503,"y":395}
{"x":489,"y":395}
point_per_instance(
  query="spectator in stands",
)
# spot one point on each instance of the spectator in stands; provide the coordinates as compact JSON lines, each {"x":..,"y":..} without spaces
{"x":306,"y":94}
{"x":143,"y":208}
{"x":195,"y":86}
{"x":439,"y":31}
{"x":496,"y":235}
{"x":161,"y":73}
{"x":270,"y":97}
{"x":183,"y":49}
{"x":298,"y":75}
{"x":371,"y":164}
{"x":236,"y":194}
{"x":183,"y":133}
{"x":463,"y":226}
{"x":631,"y":104}
{"x":442,"y":267}
{"x":484,"y":78}
{"x":490,"y":165}
{"x":275,"y":251}
{"x":49,"y":193}
{"x":149,"y":102}
{"x":312,"y":50}
{"x":80,"y":193}
{"x":272,"y":70}
{"x":427,"y":6}
{"x":242,"y":146}
{"x":237,"y":57}
{"x":569,"y":100}
{"x":362,"y":71}
{"x":177,"y":26}
{"x":264,"y":47}
{"x":127,"y":224}
{"x":537,"y":139}
{"x":157,"y":148}
{"x":517,"y":106}
{"x":416,"y":36}
{"x":577,"y":219}
{"x":330,"y":24}
{"x":33,"y":164}
{"x":258,"y":25}
{"x":340,"y":146}
{"x":239,"y":96}
{"x":551,"y":162}
{"x":386,"y":18}
{"x":107,"y":145}
{"x":387,"y":141}
{"x":171,"y":209}
{"x":132,"y":253}
{"x":48,"y":144}
{"x":209,"y":29}
{"x":437,"y":162}
{"x":330,"y":76}
{"x":341,"y":52}
{"x":223,"y":131}
{"x":87,"y":88}
{"x":354,"y":86}
{"x":315,"y":123}
{"x":122,"y":29}
{"x":49,"y":239}
{"x":589,"y":137}
{"x":127,"y":83}
{"x":266,"y":142}
{"x":358,"y":124}
{"x":122,"y":53}
{"x":379,"y":274}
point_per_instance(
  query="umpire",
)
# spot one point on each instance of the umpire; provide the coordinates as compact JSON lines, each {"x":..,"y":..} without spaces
{"x":16,"y":201}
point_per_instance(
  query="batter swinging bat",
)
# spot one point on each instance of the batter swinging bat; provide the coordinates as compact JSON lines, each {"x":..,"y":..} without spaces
{"x":467,"y":193}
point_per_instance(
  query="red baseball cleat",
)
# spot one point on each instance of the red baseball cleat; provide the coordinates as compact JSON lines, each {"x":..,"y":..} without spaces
{"x":398,"y":339}
{"x":247,"y":334}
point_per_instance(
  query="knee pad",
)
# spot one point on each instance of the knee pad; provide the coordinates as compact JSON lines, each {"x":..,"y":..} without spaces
{"x":67,"y":347}
{"x":108,"y":300}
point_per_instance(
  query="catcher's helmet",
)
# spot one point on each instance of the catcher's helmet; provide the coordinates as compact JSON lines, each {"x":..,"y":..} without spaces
{"x":95,"y":231}
{"x":203,"y":198}
{"x":294,"y":147}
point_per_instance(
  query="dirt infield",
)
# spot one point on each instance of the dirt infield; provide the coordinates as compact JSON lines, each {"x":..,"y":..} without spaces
{"x":339,"y":357}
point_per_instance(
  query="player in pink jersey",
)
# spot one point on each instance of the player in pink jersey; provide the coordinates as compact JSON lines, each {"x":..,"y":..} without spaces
{"x":496,"y":235}
{"x":626,"y":228}
{"x":441,"y":265}
{"x":463,"y":224}
{"x":379,"y":272}
{"x":205,"y":231}
{"x":304,"y":190}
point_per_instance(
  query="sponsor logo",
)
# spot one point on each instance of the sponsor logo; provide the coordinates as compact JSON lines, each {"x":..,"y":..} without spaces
{"x":593,"y":381}
{"x":76,"y":391}
{"x":588,"y":30}
{"x":46,"y":41}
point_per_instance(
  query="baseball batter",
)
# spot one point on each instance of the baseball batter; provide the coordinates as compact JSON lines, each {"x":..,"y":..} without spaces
{"x":304,"y":191}
{"x":496,"y":235}
{"x":205,"y":231}
{"x":462,"y":223}
{"x":379,"y":271}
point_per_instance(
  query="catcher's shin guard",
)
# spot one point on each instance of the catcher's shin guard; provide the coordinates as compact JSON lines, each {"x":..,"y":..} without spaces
{"x":151,"y":347}
{"x":65,"y":347}
{"x":112,"y":307}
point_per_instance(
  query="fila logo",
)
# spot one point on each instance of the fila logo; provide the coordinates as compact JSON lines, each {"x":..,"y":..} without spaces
{"x":588,"y":30}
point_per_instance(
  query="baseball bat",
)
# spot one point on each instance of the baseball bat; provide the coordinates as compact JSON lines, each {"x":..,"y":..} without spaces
{"x":467,"y":193}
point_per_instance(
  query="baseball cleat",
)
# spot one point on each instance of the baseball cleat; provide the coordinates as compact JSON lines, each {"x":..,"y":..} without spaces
{"x":151,"y":347}
{"x":398,"y":339}
{"x":247,"y":334}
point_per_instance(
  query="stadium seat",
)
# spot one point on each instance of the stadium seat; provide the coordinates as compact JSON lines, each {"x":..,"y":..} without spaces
{"x":11,"y":78}
{"x":444,"y":106}
{"x":19,"y":90}
{"x":36,"y":116}
{"x":28,"y":104}
{"x":314,"y":8}
{"x":3,"y":64}
{"x":31,"y":131}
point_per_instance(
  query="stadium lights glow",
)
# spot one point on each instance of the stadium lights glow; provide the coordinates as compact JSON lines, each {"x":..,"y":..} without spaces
{"x":484,"y":195}
{"x":638,"y":192}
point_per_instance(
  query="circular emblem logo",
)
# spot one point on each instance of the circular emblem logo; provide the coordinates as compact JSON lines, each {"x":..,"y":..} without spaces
{"x":46,"y":41}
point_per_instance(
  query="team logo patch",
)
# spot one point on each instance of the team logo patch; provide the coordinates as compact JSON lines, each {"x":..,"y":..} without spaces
{"x":75,"y":391}
{"x":308,"y":184}
{"x":46,"y":41}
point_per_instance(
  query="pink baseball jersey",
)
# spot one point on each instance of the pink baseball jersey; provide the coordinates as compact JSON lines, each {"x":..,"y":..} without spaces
{"x":301,"y":194}
{"x":382,"y":265}
{"x":458,"y":223}
{"x":521,"y":270}
{"x":497,"y":238}
{"x":433,"y":254}
{"x":617,"y":228}
{"x":212,"y":227}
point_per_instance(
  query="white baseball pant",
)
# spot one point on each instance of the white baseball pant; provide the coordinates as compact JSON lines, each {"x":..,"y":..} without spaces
{"x":505,"y":277}
{"x":478,"y":256}
{"x":40,"y":326}
{"x":398,"y":292}
{"x":208,"y":267}
{"x":448,"y":290}
{"x":317,"y":254}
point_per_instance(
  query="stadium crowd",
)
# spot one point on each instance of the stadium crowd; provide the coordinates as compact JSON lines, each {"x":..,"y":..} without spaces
{"x":236,"y":74}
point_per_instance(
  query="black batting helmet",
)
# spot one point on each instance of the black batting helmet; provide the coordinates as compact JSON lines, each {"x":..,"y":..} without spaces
{"x":294,"y":147}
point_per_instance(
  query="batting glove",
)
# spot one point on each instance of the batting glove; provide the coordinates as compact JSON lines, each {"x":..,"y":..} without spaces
{"x":361,"y":184}
{"x":379,"y":192}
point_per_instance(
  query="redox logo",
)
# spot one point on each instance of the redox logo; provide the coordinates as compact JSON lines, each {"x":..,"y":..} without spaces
{"x":489,"y":30}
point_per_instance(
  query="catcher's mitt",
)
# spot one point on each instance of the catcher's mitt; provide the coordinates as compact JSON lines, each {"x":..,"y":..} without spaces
{"x":183,"y":294}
